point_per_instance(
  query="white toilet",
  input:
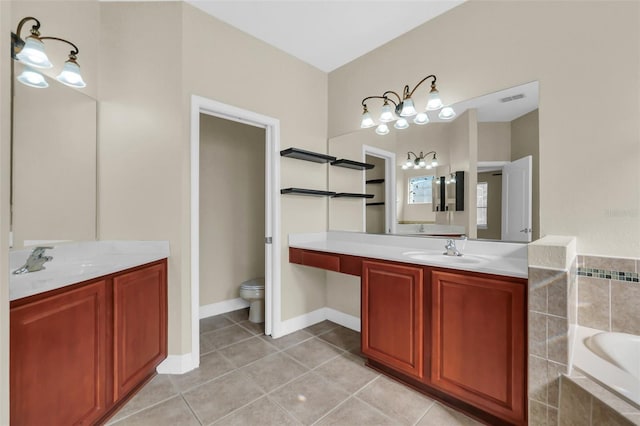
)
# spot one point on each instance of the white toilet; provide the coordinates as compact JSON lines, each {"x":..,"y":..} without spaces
{"x":253,"y":292}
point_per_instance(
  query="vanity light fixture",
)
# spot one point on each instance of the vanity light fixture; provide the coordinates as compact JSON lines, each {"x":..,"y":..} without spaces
{"x":31,"y":53}
{"x":404,"y":108}
{"x":420,"y":161}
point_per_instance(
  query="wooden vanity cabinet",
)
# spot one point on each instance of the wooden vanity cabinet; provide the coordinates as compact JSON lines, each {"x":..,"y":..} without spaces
{"x":79,"y":352}
{"x":393,"y":315}
{"x":478,"y":341}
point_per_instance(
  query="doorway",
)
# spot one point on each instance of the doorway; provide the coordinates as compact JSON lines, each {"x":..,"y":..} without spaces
{"x":272,"y":244}
{"x":389,"y":183}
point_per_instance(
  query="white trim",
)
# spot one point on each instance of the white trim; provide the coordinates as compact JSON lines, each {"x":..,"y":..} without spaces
{"x":176,"y":364}
{"x":223,"y":307}
{"x":343,"y":319}
{"x":272,"y":211}
{"x":298,"y":323}
{"x":389,"y":186}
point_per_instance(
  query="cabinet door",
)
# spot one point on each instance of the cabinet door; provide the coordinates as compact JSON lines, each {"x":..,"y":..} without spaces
{"x":57,"y":355}
{"x":140,"y":325}
{"x":392,"y":316}
{"x":478,"y":342}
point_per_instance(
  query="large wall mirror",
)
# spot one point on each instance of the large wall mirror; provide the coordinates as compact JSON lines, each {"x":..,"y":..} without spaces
{"x":53,"y":165}
{"x":493,"y":142}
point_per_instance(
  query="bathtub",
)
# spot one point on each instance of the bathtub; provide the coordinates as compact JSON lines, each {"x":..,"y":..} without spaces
{"x":612,"y":359}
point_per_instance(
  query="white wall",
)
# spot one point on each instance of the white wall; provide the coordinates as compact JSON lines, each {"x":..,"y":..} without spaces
{"x":232,"y":216}
{"x":494,"y":45}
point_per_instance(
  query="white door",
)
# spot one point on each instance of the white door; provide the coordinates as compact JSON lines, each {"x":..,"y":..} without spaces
{"x":516,"y":200}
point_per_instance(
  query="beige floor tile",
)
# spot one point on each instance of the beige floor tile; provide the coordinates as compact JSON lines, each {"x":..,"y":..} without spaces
{"x":255,"y":328}
{"x":158,"y":389}
{"x":395,"y":400}
{"x":342,"y":337}
{"x":261,"y":412}
{"x":347,"y":372}
{"x":221,"y":338}
{"x":273,"y":371}
{"x":212,"y":365}
{"x":313,"y":352}
{"x":321,"y":327}
{"x":309,"y":397}
{"x":221,"y":396}
{"x":214,"y":323}
{"x":239,"y":315}
{"x":288,"y":340}
{"x":247,"y":351}
{"x":169,"y":413}
{"x":439,"y":415}
{"x":355,"y":412}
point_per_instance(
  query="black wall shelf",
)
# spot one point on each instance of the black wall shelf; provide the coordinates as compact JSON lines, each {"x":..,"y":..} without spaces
{"x":303,"y":191}
{"x":372,"y":181}
{"x":352,"y":195}
{"x":301,"y":154}
{"x":376,"y":204}
{"x":350,"y":164}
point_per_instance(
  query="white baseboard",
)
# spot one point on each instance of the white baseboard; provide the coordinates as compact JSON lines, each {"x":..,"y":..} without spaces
{"x":343,"y":319}
{"x":177,"y":364}
{"x":222,"y":307}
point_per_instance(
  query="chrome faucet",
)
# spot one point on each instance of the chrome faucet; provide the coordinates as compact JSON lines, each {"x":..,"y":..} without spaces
{"x":35,"y":262}
{"x":451,"y":249}
{"x":421,"y":229}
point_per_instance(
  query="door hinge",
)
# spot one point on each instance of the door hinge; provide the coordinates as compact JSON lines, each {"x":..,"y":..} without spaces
{"x":268,"y":240}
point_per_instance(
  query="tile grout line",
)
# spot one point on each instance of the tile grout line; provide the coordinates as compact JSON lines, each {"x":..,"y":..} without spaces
{"x":193,"y":412}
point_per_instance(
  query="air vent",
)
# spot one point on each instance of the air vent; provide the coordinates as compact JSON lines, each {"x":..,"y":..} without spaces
{"x":512,"y":98}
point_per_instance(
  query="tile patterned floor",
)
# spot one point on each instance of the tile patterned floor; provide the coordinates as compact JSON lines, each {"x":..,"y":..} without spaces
{"x":311,"y":377}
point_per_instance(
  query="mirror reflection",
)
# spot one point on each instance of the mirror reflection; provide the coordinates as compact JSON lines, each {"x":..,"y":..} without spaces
{"x":53,"y":167}
{"x":491,"y":146}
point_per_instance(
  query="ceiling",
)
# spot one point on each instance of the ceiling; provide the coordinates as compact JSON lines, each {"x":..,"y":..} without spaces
{"x":325,"y":33}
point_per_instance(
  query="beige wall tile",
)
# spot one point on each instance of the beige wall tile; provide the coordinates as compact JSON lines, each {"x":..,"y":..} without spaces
{"x":538,"y":379}
{"x":603,"y":415}
{"x":625,"y":315}
{"x":557,"y":294}
{"x":554,"y":371}
{"x":537,"y":413}
{"x":610,"y":263}
{"x":538,"y":334}
{"x":575,"y":404}
{"x":593,"y":303}
{"x":557,"y":339}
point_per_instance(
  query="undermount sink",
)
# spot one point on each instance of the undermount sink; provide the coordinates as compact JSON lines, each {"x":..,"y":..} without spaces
{"x":440,"y":257}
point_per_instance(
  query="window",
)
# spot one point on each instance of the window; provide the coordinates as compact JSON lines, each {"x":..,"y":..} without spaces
{"x":483,"y":193}
{"x":420,"y":189}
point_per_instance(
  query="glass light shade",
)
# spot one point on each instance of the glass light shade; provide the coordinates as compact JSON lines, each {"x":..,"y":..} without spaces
{"x":382,"y":129}
{"x":429,"y":167}
{"x":401,"y":124}
{"x":447,"y":113}
{"x":405,"y":167}
{"x":434,"y":102}
{"x":416,"y":167}
{"x":32,"y":78}
{"x":409,"y":163}
{"x":387,"y":113}
{"x":408,"y":109}
{"x":32,"y":54}
{"x":422,"y":163}
{"x":70,"y":75}
{"x":421,"y":118}
{"x":367,"y":120}
{"x":434,"y":161}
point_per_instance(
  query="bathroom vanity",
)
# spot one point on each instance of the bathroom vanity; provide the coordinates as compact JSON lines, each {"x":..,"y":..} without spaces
{"x":83,"y":345}
{"x":453,"y":328}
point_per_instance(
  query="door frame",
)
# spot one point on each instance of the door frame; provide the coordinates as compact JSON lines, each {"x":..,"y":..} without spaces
{"x":390,"y":208}
{"x":201,"y":105}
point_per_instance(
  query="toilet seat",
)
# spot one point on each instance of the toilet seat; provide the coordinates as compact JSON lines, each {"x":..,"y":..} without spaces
{"x":253,"y":284}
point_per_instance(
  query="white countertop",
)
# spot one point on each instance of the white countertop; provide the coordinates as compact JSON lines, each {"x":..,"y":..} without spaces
{"x":491,"y":257}
{"x":80,"y":261}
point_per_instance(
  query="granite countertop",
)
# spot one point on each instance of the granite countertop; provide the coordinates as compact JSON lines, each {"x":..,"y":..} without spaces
{"x":491,"y":257}
{"x":76,"y":262}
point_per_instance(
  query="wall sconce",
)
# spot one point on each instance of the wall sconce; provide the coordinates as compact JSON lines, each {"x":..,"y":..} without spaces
{"x":420,"y":161}
{"x":404,"y":108}
{"x":31,"y":53}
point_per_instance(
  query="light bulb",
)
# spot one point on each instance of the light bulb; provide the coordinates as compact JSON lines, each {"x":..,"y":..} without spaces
{"x":447,"y":113}
{"x":382,"y":129}
{"x":422,"y":163}
{"x":70,"y":75}
{"x":429,"y":167}
{"x":434,"y":161}
{"x":416,"y":167}
{"x":367,"y":120}
{"x":404,"y":167}
{"x":408,"y":109}
{"x":421,"y":118}
{"x":401,"y":123}
{"x":387,"y":113}
{"x":33,"y":54}
{"x":32,"y":78}
{"x":434,"y":102}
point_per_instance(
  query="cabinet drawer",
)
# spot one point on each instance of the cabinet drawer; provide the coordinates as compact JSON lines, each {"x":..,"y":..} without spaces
{"x":327,"y":261}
